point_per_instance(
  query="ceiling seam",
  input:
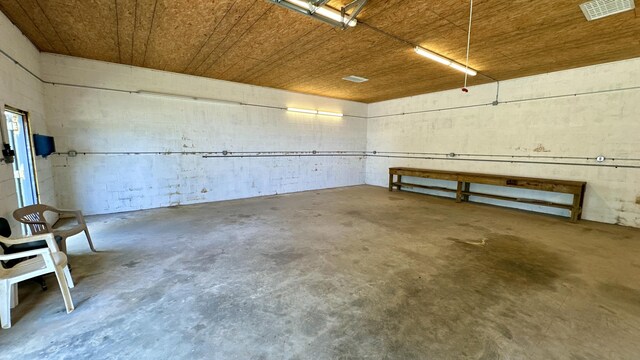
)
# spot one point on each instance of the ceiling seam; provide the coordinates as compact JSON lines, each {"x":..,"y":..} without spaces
{"x":133,"y":34}
{"x":302,"y":53}
{"x":118,"y":32}
{"x":559,"y":96}
{"x":53,"y":27}
{"x":34,"y":24}
{"x":210,"y":35}
{"x":266,"y":63}
{"x":197,"y":69}
{"x":395,"y":37}
{"x":239,"y":38}
{"x":305,"y":51}
{"x":296,"y":58}
{"x":331,"y":66}
{"x":447,"y":20}
{"x":146,"y":45}
{"x":312,"y":77}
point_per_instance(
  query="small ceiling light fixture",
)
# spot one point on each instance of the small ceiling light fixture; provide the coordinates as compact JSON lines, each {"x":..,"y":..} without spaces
{"x":355,"y":79}
{"x":598,"y":9}
{"x":315,"y":112}
{"x":317,"y":9}
{"x":443,"y":60}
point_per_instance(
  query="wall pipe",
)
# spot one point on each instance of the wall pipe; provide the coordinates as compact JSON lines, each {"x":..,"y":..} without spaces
{"x":346,"y":115}
{"x":133,"y":92}
{"x":342,"y":152}
{"x":374,"y":154}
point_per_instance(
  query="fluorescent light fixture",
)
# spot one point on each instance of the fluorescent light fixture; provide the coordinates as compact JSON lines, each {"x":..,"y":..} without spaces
{"x":305,"y":111}
{"x":463,"y":68}
{"x":315,"y":112}
{"x":186,"y":97}
{"x":432,"y":56}
{"x":443,"y":60}
{"x":328,"y":113}
{"x":321,"y":11}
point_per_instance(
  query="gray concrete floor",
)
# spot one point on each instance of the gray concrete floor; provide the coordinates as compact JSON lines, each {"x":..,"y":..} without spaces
{"x":350,"y":273}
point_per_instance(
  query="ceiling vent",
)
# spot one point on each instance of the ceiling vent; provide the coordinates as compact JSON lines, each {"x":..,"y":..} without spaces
{"x":598,"y":9}
{"x":355,"y":79}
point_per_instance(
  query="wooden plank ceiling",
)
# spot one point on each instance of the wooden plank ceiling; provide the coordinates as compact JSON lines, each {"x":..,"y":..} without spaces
{"x":256,"y":42}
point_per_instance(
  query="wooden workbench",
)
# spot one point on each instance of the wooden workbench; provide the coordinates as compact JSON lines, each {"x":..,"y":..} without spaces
{"x":464,"y":180}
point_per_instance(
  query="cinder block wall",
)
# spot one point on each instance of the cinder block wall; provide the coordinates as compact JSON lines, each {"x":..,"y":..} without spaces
{"x":20,"y":90}
{"x":135,"y":141}
{"x":535,"y":122}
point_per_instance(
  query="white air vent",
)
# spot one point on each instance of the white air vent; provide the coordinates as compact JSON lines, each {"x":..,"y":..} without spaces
{"x":597,"y":9}
{"x":355,"y":79}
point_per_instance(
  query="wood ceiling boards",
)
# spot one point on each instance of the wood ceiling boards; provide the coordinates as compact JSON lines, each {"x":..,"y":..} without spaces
{"x":257,"y":42}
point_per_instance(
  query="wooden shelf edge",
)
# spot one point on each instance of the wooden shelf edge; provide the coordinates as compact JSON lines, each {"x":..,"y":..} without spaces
{"x":438,"y":188}
{"x":521,"y":200}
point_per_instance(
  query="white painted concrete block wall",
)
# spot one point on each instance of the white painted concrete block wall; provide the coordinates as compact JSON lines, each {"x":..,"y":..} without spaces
{"x":582,"y":126}
{"x":89,"y":120}
{"x":21,"y":90}
{"x":94,"y":120}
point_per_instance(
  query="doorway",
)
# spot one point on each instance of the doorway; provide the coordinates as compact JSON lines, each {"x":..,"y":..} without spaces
{"x":23,"y":167}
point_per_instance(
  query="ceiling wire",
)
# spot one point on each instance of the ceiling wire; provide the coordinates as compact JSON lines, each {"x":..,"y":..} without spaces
{"x":411,"y":44}
{"x":466,"y":74}
{"x":387,"y":34}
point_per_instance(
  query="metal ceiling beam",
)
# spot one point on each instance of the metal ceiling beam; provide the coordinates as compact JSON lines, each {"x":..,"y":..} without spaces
{"x":347,"y":17}
{"x":306,"y":12}
{"x":317,"y":4}
{"x":357,"y":5}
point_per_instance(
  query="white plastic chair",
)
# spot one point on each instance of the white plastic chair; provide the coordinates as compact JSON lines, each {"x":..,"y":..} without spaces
{"x":33,"y":215}
{"x":45,"y":260}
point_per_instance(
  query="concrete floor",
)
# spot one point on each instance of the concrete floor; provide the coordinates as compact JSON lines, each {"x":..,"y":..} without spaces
{"x":350,"y":273}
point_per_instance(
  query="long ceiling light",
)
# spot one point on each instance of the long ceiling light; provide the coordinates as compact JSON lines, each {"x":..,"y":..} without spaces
{"x":315,"y":112}
{"x":186,"y":97}
{"x":328,"y":113}
{"x":443,"y":60}
{"x":322,"y":12}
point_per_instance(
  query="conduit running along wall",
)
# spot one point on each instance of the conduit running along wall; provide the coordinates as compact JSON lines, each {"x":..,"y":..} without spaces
{"x":536,"y":126}
{"x":146,"y":152}
{"x":536,"y":130}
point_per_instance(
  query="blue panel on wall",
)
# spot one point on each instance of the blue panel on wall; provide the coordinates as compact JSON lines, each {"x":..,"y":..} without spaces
{"x":43,"y":145}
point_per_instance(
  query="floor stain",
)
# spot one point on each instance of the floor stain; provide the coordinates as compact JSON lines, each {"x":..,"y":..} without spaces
{"x":284,"y":257}
{"x":471,"y":287}
{"x":517,"y":261}
{"x":402,"y":282}
{"x":627,"y":298}
{"x":131,"y":264}
{"x":472,"y":226}
{"x":481,"y":242}
{"x":199,"y":327}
